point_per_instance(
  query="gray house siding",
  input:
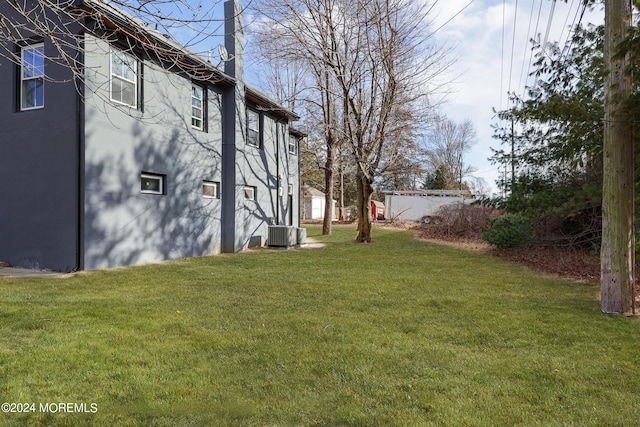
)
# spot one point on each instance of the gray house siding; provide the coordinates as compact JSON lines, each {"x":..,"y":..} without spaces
{"x":289,"y":169}
{"x":39,"y":170}
{"x":233,"y":134}
{"x":71,"y":191}
{"x":259,"y":171}
{"x":123,"y":225}
{"x":270,"y":169}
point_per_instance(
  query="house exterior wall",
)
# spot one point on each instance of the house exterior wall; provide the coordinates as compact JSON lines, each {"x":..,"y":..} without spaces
{"x":122,"y":225}
{"x":258,"y":169}
{"x":39,"y":169}
{"x":289,"y":169}
{"x":270,"y":168}
{"x":70,"y":173}
{"x":245,"y":222}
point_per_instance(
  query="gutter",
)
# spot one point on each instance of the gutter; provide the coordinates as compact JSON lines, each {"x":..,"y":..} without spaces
{"x":118,"y":20}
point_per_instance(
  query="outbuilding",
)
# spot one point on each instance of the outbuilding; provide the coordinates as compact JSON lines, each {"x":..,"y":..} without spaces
{"x":377,"y":211}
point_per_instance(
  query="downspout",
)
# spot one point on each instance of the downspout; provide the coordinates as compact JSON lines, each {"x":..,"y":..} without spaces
{"x":300,"y":200}
{"x":81,"y":158}
{"x":277,"y":173}
{"x":278,"y":178}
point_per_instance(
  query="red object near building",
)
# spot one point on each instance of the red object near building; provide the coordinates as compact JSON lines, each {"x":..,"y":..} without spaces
{"x":377,"y":211}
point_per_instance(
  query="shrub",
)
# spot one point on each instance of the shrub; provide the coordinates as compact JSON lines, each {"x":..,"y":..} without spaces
{"x":509,"y":231}
{"x":462,"y":219}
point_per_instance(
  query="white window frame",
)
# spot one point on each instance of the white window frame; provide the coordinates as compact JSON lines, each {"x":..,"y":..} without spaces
{"x":290,"y":190}
{"x":293,"y":145}
{"x":249,"y":192}
{"x":253,"y":125}
{"x":211,"y":185}
{"x":156,"y":177}
{"x":132,"y":63}
{"x":195,"y":108}
{"x":33,"y":73}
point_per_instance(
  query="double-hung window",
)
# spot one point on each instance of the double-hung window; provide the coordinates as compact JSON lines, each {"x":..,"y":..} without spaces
{"x":253,"y":128}
{"x":197,"y":107}
{"x":124,"y":79}
{"x":293,"y":144}
{"x":32,"y":77}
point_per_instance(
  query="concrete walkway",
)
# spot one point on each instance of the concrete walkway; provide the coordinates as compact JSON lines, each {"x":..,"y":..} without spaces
{"x":310,"y":243}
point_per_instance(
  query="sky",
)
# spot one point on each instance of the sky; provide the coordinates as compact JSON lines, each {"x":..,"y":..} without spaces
{"x":493,"y":59}
{"x":491,"y":43}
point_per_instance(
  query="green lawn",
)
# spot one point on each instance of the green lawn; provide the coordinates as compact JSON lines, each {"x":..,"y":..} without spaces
{"x":394,"y":333}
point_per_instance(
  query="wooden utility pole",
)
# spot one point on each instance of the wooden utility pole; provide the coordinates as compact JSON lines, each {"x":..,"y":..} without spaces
{"x":618,"y":240}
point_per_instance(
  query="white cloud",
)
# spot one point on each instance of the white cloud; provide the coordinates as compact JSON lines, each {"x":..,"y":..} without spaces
{"x":486,"y":69}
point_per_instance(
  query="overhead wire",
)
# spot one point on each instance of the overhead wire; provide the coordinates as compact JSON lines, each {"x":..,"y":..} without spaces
{"x":546,"y":36}
{"x":533,"y":4}
{"x":566,"y":21}
{"x":574,"y":25}
{"x":549,"y":22}
{"x":504,"y":12}
{"x":452,"y":18}
{"x":574,"y":16}
{"x":513,"y":46}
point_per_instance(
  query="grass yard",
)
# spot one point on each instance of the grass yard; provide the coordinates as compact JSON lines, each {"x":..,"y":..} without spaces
{"x":395,"y":333}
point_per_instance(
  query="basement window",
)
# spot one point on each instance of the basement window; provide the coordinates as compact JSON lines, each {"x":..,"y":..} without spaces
{"x":210,"y":189}
{"x":151,"y":183}
{"x":249,"y":192}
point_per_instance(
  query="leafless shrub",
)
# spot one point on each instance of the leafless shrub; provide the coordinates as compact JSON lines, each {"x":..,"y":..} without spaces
{"x":463,"y":220}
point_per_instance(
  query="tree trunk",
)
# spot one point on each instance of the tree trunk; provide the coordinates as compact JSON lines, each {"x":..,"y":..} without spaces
{"x":618,"y":239}
{"x":328,"y":186}
{"x":365,"y":189}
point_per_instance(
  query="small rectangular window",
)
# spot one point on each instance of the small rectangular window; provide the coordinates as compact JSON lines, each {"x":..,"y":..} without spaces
{"x":151,"y":183}
{"x":32,"y":77}
{"x":197,"y":107}
{"x":124,"y":79}
{"x":253,"y":128}
{"x":211,"y":189}
{"x":290,"y":190}
{"x":293,"y":144}
{"x":249,"y":192}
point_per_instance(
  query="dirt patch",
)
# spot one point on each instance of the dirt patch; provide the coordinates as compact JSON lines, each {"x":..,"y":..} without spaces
{"x":565,"y":262}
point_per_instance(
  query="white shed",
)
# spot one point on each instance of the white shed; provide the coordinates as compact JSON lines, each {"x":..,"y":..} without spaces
{"x":419,"y":204}
{"x":314,"y":203}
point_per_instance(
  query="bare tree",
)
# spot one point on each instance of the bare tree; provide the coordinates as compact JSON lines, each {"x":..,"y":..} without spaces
{"x":373,"y":61}
{"x":298,"y":32}
{"x":63,"y":23}
{"x":446,"y":144}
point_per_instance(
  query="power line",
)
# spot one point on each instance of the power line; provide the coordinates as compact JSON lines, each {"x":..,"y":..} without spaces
{"x":513,"y":46}
{"x":504,"y":12}
{"x":452,"y":18}
{"x":533,"y":3}
{"x":567,"y":50}
{"x":550,"y":21}
{"x":546,"y":36}
{"x":566,"y":21}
